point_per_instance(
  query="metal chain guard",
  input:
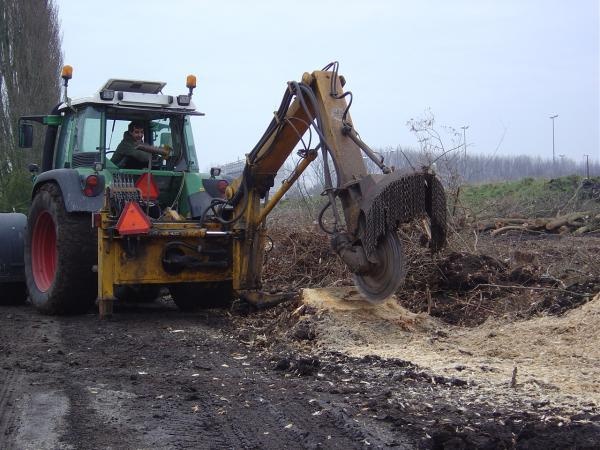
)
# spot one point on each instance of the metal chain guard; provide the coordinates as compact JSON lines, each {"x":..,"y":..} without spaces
{"x":401,"y":198}
{"x":393,"y":200}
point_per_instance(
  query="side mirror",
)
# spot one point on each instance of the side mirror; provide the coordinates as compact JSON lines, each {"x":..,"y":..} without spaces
{"x":33,"y":168}
{"x":25,"y":135}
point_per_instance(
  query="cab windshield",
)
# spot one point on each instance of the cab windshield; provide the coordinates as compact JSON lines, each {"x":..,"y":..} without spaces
{"x":92,"y":134}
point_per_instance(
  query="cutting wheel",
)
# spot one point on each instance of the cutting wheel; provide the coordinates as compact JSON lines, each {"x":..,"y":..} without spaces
{"x":385,"y":276}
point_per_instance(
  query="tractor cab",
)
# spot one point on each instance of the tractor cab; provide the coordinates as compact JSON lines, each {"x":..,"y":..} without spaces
{"x":83,"y":135}
{"x":90,"y":134}
{"x":93,"y":127}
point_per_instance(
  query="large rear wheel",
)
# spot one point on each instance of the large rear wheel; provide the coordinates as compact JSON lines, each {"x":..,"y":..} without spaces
{"x":194,"y":296}
{"x":60,"y":251}
{"x":384,"y":277}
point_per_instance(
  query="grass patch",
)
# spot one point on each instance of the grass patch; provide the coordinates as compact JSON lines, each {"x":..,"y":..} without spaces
{"x":530,"y":197}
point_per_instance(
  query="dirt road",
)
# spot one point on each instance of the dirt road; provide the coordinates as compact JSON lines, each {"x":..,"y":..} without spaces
{"x":153,"y":377}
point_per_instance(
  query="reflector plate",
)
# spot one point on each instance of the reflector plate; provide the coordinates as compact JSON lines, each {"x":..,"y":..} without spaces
{"x":133,"y":220}
{"x":147,"y":186}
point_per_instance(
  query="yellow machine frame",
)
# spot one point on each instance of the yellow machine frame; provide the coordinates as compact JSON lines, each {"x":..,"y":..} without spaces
{"x":118,"y":266}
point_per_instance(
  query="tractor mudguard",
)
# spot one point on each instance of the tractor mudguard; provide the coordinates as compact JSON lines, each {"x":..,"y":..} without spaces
{"x":70,"y":183}
{"x":12,"y":239}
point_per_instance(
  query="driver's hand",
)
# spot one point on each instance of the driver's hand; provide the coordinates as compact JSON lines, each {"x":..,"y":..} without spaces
{"x":169,"y":149}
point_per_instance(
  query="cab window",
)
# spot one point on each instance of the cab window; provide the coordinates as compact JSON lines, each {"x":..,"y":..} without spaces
{"x":88,"y":131}
{"x":62,"y":145}
{"x":85,"y":138}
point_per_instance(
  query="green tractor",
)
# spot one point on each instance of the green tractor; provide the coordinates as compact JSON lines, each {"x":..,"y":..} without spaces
{"x":53,"y":252}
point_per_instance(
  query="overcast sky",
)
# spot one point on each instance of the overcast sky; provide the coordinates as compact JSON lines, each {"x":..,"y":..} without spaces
{"x":500,"y":67}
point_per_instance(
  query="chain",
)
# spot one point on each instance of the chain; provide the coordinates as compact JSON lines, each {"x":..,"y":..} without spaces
{"x":401,"y":201}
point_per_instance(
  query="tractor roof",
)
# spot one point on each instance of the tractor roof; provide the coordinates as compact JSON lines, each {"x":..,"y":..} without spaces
{"x":139,"y":86}
{"x":138,"y":94}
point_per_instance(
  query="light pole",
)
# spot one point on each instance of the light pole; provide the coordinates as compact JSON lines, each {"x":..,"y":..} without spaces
{"x":553,"y":154}
{"x":587,"y":166}
{"x":464,"y":128}
{"x":562,"y":164}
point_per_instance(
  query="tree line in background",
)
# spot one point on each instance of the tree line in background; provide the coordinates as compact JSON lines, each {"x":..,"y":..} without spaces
{"x":479,"y":168}
{"x":30,"y":63}
{"x":454,"y":168}
{"x":443,"y":149}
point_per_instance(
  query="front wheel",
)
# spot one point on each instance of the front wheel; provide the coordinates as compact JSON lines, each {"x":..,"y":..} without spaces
{"x":60,"y":251}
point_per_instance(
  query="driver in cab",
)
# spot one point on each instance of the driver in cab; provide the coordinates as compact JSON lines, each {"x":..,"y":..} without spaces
{"x":128,"y":155}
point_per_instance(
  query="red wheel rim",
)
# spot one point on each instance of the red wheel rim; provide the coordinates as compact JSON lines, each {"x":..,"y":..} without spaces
{"x":43,"y":251}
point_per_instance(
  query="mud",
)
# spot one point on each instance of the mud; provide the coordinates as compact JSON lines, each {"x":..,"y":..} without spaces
{"x":153,"y":377}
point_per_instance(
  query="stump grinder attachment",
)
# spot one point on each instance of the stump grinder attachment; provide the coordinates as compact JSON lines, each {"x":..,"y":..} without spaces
{"x":367,"y":209}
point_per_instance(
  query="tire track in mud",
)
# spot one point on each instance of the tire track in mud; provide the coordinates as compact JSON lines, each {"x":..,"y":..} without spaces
{"x":32,"y":403}
{"x":278,"y":411}
{"x":9,"y":380}
{"x":170,"y":380}
{"x":8,"y":417}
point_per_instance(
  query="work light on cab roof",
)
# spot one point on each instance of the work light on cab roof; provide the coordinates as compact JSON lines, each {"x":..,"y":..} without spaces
{"x":66,"y":74}
{"x":190,"y":83}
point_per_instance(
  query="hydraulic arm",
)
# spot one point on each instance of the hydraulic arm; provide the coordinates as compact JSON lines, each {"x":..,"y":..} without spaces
{"x":366,"y":208}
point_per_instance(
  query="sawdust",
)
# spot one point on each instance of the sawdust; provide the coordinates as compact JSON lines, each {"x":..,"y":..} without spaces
{"x":348,"y":300}
{"x":556,"y":358}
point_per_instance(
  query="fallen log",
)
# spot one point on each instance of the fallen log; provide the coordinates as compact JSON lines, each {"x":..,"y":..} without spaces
{"x":541,"y":222}
{"x":583,"y":230}
{"x":578,"y":223}
{"x":564,"y":220}
{"x":514,"y":228}
{"x":502,"y":222}
{"x":514,"y":221}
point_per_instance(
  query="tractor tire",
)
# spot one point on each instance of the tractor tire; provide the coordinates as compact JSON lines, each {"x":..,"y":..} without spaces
{"x":13,"y":293}
{"x":60,"y":251}
{"x":194,"y":296}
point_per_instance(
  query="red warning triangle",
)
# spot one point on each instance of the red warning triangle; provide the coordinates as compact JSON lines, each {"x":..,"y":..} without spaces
{"x":147,"y":187}
{"x":133,"y":220}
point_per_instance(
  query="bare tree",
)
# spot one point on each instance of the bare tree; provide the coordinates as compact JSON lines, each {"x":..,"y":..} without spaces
{"x":30,"y":61}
